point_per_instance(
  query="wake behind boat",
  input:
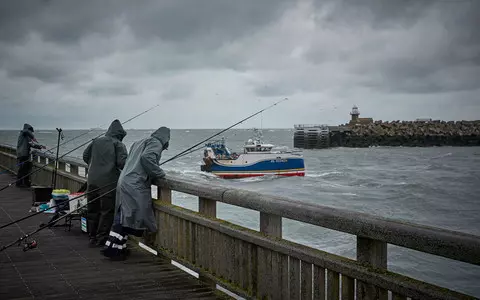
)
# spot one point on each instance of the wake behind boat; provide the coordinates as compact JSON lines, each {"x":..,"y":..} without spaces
{"x":258,"y":159}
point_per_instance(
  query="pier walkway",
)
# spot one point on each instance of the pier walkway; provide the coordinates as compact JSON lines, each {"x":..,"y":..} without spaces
{"x":254,"y":264}
{"x":64,"y":267}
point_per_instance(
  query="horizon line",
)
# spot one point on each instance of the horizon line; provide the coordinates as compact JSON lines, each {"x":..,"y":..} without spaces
{"x":98,"y":129}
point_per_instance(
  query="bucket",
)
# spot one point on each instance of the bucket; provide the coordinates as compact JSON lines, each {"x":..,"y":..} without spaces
{"x":60,"y":198}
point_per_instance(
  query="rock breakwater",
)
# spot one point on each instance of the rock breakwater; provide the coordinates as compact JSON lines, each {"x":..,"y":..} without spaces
{"x":410,"y":134}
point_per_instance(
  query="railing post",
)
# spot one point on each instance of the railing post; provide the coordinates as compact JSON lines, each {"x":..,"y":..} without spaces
{"x":373,"y":253}
{"x":271,"y":224}
{"x":164,"y":194}
{"x":74,"y":169}
{"x":207,"y":207}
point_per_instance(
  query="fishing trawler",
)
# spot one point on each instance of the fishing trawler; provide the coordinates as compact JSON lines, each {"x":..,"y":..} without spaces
{"x":258,"y":159}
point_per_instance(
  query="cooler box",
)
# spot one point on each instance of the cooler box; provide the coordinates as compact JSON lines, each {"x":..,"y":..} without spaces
{"x":41,"y":194}
{"x":77,"y":203}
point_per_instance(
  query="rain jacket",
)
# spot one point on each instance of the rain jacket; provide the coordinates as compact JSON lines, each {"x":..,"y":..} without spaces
{"x":134,"y":194}
{"x":26,"y":141}
{"x":106,"y":157}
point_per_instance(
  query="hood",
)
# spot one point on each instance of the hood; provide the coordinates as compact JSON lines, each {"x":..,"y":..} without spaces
{"x":116,"y":130}
{"x":27,"y":126}
{"x":162,"y":134}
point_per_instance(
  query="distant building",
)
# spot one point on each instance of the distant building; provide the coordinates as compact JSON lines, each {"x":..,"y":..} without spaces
{"x":423,"y":120}
{"x":355,"y":113}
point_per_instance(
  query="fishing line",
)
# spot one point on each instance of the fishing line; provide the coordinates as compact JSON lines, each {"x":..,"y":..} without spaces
{"x":41,"y":168}
{"x":66,"y":142}
{"x":183,"y":153}
{"x":222,"y":131}
{"x":200,"y":147}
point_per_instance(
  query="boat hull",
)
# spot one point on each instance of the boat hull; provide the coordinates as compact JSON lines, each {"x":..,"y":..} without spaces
{"x":276,"y":166}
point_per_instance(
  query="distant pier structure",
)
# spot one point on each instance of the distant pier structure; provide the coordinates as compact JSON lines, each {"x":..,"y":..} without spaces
{"x":365,"y":132}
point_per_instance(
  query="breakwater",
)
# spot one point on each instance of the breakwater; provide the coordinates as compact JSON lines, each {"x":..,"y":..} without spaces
{"x":395,"y":133}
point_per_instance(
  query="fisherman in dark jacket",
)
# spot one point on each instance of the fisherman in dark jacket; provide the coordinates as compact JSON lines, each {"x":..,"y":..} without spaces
{"x":26,"y":141}
{"x":106,"y":158}
{"x":133,"y":207}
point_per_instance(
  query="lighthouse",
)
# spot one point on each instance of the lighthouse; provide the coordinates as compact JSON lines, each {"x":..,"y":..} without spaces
{"x":355,"y":113}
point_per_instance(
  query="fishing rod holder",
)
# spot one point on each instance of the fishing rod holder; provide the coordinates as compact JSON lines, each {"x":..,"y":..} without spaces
{"x":60,"y":132}
{"x":55,"y":169}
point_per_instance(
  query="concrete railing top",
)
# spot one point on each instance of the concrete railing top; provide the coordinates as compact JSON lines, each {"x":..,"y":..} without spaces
{"x":451,"y":244}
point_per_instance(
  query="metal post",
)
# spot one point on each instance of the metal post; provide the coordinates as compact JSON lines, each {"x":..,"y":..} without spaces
{"x":54,"y":176}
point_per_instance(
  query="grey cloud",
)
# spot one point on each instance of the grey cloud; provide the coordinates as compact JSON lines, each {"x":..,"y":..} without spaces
{"x":272,"y":90}
{"x":114,"y":90}
{"x":378,"y":13}
{"x":175,"y":94}
{"x":438,"y":54}
{"x":56,"y":20}
{"x":86,"y":54}
{"x":170,"y":20}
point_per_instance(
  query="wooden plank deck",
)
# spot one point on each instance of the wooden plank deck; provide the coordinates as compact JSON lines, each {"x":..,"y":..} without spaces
{"x":64,"y":267}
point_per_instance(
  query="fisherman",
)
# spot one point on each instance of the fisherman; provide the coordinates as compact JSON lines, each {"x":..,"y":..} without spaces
{"x":133,"y":207}
{"x":26,"y":141}
{"x":106,"y":158}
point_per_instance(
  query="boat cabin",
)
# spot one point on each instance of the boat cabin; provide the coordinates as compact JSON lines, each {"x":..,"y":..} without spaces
{"x":254,"y":146}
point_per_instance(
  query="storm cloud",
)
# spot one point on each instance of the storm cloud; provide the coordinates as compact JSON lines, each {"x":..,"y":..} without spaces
{"x":209,"y":63}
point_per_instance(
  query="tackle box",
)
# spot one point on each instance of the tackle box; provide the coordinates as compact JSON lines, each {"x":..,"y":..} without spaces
{"x":41,"y":194}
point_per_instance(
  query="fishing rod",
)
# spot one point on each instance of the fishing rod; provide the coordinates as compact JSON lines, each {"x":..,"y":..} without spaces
{"x":222,"y":131}
{"x":33,"y":244}
{"x":43,"y":167}
{"x":183,"y":153}
{"x":64,"y":143}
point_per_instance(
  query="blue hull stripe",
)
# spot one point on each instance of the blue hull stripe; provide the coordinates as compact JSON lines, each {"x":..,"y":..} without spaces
{"x":266,"y":165}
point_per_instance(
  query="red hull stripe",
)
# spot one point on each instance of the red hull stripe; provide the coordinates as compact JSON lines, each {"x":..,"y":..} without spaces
{"x":228,"y":176}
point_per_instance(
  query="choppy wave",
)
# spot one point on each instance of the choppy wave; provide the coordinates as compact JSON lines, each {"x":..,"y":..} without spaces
{"x":326,"y":174}
{"x":442,"y":155}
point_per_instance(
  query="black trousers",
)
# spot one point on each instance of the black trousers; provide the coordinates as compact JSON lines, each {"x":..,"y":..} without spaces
{"x":24,"y":168}
{"x":116,"y":244}
{"x":100,"y":213}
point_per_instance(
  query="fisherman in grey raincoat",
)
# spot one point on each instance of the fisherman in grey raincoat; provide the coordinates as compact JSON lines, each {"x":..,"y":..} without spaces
{"x":26,"y":141}
{"x":133,"y":210}
{"x":106,"y":157}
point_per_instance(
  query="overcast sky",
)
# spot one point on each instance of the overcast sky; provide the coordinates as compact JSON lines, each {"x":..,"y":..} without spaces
{"x":209,"y":63}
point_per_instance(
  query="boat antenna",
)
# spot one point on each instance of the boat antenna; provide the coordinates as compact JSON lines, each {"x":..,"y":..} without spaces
{"x":223,"y":130}
{"x":54,"y":160}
